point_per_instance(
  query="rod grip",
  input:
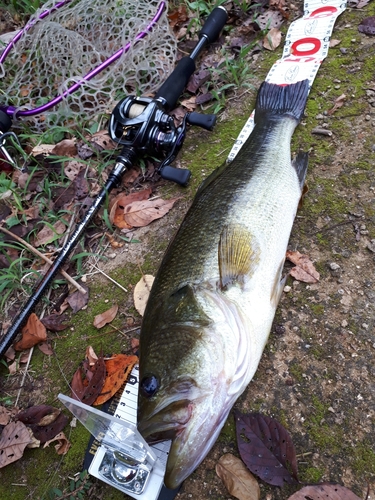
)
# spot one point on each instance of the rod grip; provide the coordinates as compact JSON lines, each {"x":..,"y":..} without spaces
{"x":174,"y":85}
{"x":215,"y":22}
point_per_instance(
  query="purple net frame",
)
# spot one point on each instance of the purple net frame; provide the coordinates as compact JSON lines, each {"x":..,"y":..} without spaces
{"x":13,"y":112}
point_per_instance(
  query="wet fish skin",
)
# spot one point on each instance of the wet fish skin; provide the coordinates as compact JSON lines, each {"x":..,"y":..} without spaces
{"x":212,"y":304}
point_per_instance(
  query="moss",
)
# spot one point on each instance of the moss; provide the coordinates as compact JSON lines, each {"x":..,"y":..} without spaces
{"x":296,"y":371}
{"x":317,"y":309}
{"x":327,"y":438}
{"x":310,"y":475}
{"x":364,"y":459}
{"x":228,"y":432}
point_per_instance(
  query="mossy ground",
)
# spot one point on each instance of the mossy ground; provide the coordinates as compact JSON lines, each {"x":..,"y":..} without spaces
{"x":317,"y":378}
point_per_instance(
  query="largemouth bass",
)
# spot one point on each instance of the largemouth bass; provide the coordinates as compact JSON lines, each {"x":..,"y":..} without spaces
{"x":213,"y":300}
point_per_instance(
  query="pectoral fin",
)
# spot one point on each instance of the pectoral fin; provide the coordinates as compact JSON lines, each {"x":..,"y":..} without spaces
{"x":238,"y":255}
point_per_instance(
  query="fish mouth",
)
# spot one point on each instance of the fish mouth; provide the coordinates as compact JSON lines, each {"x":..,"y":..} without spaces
{"x":166,"y":424}
{"x":192,"y":435}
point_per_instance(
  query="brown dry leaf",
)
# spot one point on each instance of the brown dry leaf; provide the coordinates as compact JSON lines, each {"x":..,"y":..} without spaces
{"x":103,"y":139}
{"x":4,"y":415}
{"x":14,"y":439}
{"x":49,"y":234}
{"x":190,"y":103}
{"x":178,"y":16}
{"x":118,"y":204}
{"x":272,"y":40}
{"x":134,"y":343}
{"x":78,"y":300}
{"x":91,"y":355}
{"x":141,"y":292}
{"x":112,"y":241}
{"x":42,"y":149}
{"x":131,"y":176}
{"x":339,"y":102}
{"x":141,"y":213}
{"x":46,"y":348}
{"x":33,"y":333}
{"x":237,"y":478}
{"x":326,"y":491}
{"x":334,"y":42}
{"x":62,"y":446}
{"x":102,"y":319}
{"x":72,"y":168}
{"x":304,"y":270}
{"x":118,"y":368}
{"x":66,"y":147}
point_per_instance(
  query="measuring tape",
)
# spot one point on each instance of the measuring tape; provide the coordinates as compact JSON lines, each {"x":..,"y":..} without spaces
{"x":306,"y":46}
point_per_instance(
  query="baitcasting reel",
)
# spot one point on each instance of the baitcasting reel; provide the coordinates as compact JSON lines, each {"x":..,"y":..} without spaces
{"x":143,"y":124}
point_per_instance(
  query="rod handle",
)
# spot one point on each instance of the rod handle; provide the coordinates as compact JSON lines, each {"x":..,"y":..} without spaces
{"x":215,"y":22}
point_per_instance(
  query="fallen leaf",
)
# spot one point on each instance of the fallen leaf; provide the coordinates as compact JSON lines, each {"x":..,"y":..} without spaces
{"x":42,"y":149}
{"x":13,"y":440}
{"x":118,"y":368}
{"x":49,"y":234}
{"x":62,"y":446}
{"x":87,"y":392}
{"x":112,"y":241}
{"x":141,"y":213}
{"x":72,"y":169}
{"x":4,"y":415}
{"x":334,"y":42}
{"x":32,"y":333}
{"x":131,"y":176}
{"x":272,"y":40}
{"x":38,"y":415}
{"x":105,"y":317}
{"x":339,"y":102}
{"x":270,"y":19}
{"x":46,"y":348}
{"x":46,"y":432}
{"x":266,"y":448}
{"x":134,"y":343}
{"x":55,"y":322}
{"x":78,"y":300}
{"x":324,"y":491}
{"x":190,"y":103}
{"x":66,"y":147}
{"x":141,"y":292}
{"x":237,"y":479}
{"x":103,"y":139}
{"x":304,"y":270}
{"x":91,"y":355}
{"x":118,"y":204}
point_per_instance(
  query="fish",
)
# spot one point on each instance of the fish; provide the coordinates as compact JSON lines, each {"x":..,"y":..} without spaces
{"x":212,"y":304}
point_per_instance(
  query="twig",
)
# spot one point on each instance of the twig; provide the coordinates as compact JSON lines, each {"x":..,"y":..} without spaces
{"x":108,"y":277}
{"x":42,"y":256}
{"x":24,"y":375}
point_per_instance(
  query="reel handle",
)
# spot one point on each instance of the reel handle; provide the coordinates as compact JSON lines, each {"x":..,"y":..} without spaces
{"x":174,"y":85}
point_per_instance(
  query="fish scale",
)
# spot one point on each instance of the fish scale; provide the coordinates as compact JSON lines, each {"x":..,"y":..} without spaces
{"x":213,"y":300}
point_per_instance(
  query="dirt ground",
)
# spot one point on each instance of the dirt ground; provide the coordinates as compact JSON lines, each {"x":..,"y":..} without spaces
{"x":317,"y":373}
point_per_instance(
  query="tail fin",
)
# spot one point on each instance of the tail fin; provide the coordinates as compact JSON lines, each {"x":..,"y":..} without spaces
{"x":277,"y":100}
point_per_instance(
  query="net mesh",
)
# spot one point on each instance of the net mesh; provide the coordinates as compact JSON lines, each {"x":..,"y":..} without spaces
{"x":70,"y":42}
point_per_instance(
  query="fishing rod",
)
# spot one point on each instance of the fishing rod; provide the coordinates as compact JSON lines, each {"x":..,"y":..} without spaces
{"x":9,"y":112}
{"x":141,"y":126}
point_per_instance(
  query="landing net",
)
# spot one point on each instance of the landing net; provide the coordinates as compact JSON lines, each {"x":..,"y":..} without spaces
{"x":70,"y":42}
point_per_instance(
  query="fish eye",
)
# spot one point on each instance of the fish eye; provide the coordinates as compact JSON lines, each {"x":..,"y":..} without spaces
{"x":149,"y":385}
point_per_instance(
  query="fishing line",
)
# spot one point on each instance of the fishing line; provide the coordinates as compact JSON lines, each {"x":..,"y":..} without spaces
{"x":306,"y":46}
